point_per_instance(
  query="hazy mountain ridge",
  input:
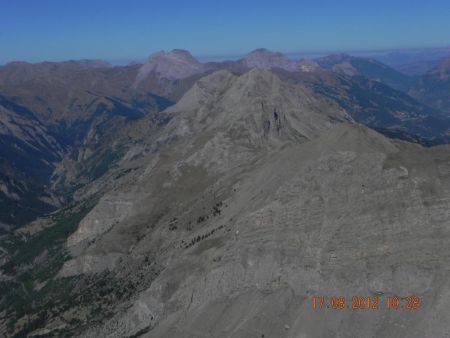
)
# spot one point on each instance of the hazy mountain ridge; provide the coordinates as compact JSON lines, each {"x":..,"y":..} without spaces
{"x":433,"y":87}
{"x":265,"y":59}
{"x":414,"y":62}
{"x":378,"y":106}
{"x":15,"y":73}
{"x":369,"y":68}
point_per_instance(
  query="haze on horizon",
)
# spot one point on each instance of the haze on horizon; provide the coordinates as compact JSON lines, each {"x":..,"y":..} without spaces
{"x":116,"y":30}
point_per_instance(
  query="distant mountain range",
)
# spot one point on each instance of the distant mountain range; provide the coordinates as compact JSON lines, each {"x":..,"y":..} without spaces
{"x":414,"y":62}
{"x":369,"y":68}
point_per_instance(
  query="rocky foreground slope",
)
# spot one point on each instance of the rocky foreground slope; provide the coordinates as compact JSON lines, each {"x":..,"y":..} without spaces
{"x":350,"y":213}
{"x":256,"y":196}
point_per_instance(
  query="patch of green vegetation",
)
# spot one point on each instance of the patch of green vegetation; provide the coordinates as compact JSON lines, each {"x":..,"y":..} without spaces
{"x":96,"y":295}
{"x":49,"y":239}
{"x":34,"y":297}
{"x":26,"y":208}
{"x":9,"y":242}
{"x":34,"y":261}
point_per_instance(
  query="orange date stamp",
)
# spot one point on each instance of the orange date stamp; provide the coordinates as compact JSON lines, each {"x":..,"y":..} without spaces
{"x":365,"y":302}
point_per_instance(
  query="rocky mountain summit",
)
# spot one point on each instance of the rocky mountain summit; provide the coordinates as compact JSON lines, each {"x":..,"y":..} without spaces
{"x":174,"y":65}
{"x":265,"y":59}
{"x":221,"y":124}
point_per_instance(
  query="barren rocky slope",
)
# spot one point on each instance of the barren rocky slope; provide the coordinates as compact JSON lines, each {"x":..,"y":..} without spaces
{"x":224,"y":124}
{"x":351,"y":213}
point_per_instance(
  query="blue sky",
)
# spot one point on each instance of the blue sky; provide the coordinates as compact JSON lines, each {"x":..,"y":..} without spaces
{"x":36,"y":30}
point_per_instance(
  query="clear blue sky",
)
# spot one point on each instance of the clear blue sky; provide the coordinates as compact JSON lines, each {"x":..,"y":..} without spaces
{"x":35,"y":30}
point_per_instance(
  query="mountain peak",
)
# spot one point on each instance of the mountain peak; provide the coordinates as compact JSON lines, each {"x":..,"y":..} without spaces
{"x":266,"y":59}
{"x":173,"y":65}
{"x":256,"y":107}
{"x":178,"y":54}
{"x":261,"y":51}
